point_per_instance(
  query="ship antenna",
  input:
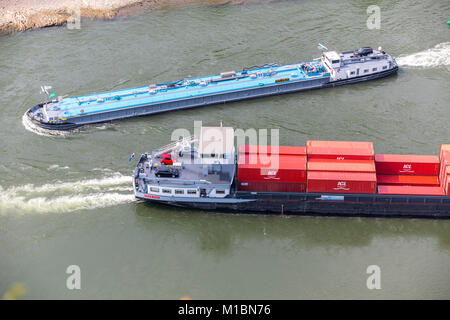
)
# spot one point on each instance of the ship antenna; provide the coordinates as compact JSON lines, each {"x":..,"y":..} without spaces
{"x":321,"y":47}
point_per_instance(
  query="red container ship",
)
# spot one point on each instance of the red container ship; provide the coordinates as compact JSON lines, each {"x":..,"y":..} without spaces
{"x":323,"y":178}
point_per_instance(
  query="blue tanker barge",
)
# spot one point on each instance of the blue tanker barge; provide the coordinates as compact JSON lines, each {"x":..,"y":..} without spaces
{"x":331,"y":69}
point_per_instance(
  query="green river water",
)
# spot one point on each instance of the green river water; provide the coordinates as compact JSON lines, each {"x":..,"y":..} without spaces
{"x":66,"y":199}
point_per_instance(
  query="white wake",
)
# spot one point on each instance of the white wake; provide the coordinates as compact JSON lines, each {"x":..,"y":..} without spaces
{"x":67,"y":196}
{"x":430,"y":58}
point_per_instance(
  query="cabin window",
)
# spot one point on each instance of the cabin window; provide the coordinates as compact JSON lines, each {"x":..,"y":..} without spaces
{"x":384,"y":67}
{"x":154,"y":189}
{"x":166,"y":191}
{"x":352,"y":73}
{"x":334,"y":61}
{"x":179,"y":191}
{"x":366,"y":70}
{"x":220,"y":191}
{"x":374,"y":69}
{"x":192,"y":191}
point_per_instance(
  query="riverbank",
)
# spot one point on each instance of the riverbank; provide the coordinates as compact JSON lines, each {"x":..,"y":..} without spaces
{"x":21,"y":15}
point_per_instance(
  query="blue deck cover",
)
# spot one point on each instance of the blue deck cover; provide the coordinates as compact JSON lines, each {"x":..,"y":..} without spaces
{"x":193,"y":87}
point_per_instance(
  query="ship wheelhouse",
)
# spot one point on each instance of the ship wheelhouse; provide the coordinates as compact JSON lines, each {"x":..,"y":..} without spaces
{"x":352,"y":64}
{"x":190,"y":168}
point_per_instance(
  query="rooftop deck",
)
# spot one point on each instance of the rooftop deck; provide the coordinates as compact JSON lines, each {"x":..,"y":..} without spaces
{"x":349,"y":57}
{"x":195,"y":173}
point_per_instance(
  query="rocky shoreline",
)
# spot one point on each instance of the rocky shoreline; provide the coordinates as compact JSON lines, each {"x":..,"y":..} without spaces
{"x":21,"y":15}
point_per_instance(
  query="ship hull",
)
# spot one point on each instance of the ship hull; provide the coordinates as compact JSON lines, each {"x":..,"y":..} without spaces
{"x":56,"y":126}
{"x":369,"y":77}
{"x":206,"y":100}
{"x":310,"y":204}
{"x":65,"y":126}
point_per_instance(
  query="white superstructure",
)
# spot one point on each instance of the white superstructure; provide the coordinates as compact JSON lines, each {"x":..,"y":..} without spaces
{"x":354,"y":64}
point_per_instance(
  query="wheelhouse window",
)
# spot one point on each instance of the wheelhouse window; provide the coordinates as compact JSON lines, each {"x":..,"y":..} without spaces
{"x":220,"y":191}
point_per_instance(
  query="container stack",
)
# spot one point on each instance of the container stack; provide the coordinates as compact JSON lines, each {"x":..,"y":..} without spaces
{"x":408,"y":174}
{"x":444,"y":170}
{"x":266,"y":169}
{"x":283,"y":150}
{"x":341,"y":167}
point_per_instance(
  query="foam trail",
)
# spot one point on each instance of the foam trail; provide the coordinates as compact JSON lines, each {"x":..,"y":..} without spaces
{"x":78,"y":186}
{"x":431,"y":58}
{"x":57,"y":167}
{"x":67,"y":196}
{"x":41,"y":131}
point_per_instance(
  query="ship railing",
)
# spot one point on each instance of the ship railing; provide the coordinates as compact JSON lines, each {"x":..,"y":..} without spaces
{"x":363,"y":59}
{"x":137,"y":91}
{"x":100,"y":98}
{"x":175,"y":181}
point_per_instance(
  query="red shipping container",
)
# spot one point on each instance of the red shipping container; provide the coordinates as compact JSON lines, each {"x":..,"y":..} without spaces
{"x":445,"y":185}
{"x":411,"y":190}
{"x":341,"y":150}
{"x":446,"y":181}
{"x":407,"y":164}
{"x":341,"y":182}
{"x":264,"y":159}
{"x":408,"y":180}
{"x":285,"y":169}
{"x":444,"y":147}
{"x":442,"y":175}
{"x":267,"y":160}
{"x":271,"y":186}
{"x":283,"y":150}
{"x":338,"y":160}
{"x":341,"y":165}
{"x":444,"y":157}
